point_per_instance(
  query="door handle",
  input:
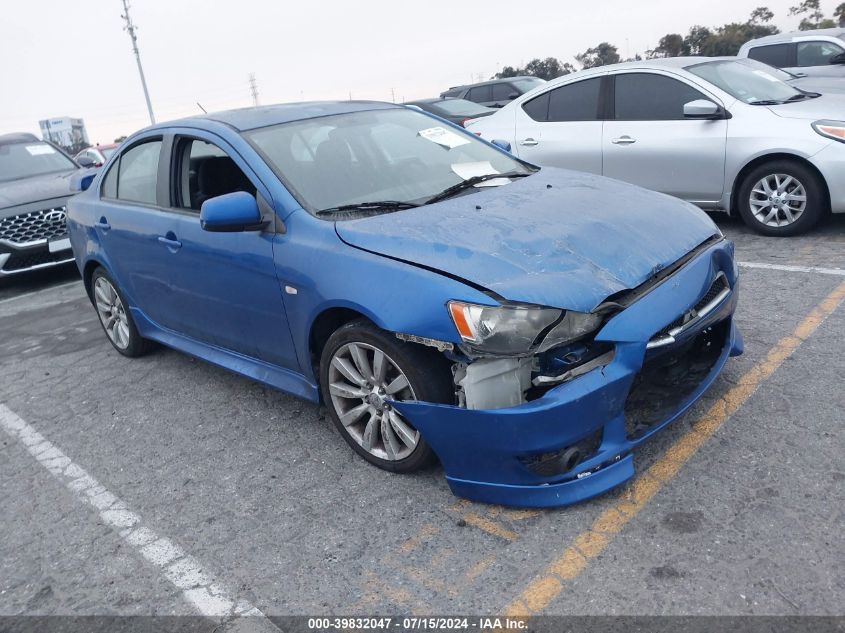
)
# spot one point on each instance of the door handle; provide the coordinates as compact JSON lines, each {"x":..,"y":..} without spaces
{"x":624,"y":140}
{"x":170,"y":241}
{"x":529,"y":142}
{"x":103,"y":224}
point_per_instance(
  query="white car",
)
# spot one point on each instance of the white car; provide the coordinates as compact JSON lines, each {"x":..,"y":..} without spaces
{"x":723,"y":133}
{"x":817,"y":53}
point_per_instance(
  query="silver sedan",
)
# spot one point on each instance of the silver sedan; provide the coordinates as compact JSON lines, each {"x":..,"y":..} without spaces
{"x":723,"y":133}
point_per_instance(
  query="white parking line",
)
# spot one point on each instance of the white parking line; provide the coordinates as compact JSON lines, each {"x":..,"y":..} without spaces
{"x":40,"y":292}
{"x":794,"y":269}
{"x":182,"y":570}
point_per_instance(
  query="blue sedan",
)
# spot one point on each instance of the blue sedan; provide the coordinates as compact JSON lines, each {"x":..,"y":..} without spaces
{"x":447,"y":301}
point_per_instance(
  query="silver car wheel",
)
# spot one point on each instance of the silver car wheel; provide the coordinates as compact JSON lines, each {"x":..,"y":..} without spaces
{"x":778,"y":200}
{"x":363,"y":383}
{"x":111,"y":312}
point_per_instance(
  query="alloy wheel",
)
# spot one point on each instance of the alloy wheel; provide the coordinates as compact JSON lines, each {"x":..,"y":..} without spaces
{"x":778,"y":200}
{"x":363,"y":383}
{"x":112,"y":313}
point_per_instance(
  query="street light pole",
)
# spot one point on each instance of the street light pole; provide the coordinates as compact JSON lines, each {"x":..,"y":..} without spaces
{"x":130,"y":28}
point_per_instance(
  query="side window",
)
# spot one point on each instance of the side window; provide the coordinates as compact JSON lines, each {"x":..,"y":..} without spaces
{"x":817,"y":53}
{"x":480,"y":94}
{"x":134,"y":177}
{"x":776,"y":55}
{"x":575,"y":102}
{"x":649,"y":97}
{"x":205,"y":171}
{"x":538,"y":107}
{"x":501,"y":92}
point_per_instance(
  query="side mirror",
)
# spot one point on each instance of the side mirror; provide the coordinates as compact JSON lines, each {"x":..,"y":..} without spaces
{"x":501,"y":144}
{"x":81,"y":180}
{"x":838,"y":59}
{"x":702,"y":109}
{"x":231,"y":212}
{"x":85,"y":161}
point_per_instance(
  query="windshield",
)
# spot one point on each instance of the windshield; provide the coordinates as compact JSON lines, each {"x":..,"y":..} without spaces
{"x":460,"y":107}
{"x":748,"y":80}
{"x":394,"y":154}
{"x":22,"y":160}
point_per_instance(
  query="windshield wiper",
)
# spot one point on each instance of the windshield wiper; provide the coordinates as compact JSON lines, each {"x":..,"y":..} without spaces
{"x":471,"y":182}
{"x":766,"y":102}
{"x":377,"y":206}
{"x":802,"y":95}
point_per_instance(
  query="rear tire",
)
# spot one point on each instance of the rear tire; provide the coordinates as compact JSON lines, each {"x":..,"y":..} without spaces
{"x":115,"y":317}
{"x":358,"y":389}
{"x":782,"y":198}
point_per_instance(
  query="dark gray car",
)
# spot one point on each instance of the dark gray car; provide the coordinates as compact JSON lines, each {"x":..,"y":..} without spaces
{"x":494,"y":93}
{"x":34,"y":189}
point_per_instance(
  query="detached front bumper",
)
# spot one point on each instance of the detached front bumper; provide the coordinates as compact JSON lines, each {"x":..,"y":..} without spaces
{"x":508,"y":456}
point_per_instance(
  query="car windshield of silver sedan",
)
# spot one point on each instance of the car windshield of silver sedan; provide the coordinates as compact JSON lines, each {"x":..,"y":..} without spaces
{"x":750,"y":81}
{"x":24,"y":160}
{"x":378,"y":161}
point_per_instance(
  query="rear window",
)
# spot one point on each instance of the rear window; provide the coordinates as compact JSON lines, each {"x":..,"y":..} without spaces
{"x":776,"y":55}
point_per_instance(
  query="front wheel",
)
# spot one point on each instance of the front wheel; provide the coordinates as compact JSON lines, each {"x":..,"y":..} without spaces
{"x":781,"y":198}
{"x":363,"y":371}
{"x":115,"y":317}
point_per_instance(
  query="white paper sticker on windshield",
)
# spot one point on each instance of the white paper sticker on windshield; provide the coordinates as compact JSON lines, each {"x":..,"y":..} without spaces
{"x":443,"y":137}
{"x":765,"y":75}
{"x":480,"y":168}
{"x":37,"y":150}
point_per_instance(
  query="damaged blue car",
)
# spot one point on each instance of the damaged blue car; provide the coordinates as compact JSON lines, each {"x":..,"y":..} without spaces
{"x":529,"y":328}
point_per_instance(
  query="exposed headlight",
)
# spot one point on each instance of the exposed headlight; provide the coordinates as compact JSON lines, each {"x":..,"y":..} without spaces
{"x":515,"y":329}
{"x":831,"y":129}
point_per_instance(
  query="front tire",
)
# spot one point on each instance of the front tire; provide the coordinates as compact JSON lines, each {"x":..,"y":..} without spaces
{"x":782,"y":198}
{"x":115,"y":317}
{"x":362,"y":370}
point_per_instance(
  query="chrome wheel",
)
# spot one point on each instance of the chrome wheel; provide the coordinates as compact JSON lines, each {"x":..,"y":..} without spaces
{"x":111,"y":312}
{"x":778,"y":200}
{"x":363,"y":383}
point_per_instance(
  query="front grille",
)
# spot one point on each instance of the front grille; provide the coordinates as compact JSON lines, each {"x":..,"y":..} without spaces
{"x":719,"y":284}
{"x":22,"y":261}
{"x":667,"y":380}
{"x":34,"y":226}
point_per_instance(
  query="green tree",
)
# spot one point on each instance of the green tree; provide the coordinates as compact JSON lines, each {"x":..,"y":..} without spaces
{"x":725,"y":39}
{"x":670,"y":45}
{"x":120,"y":139}
{"x":813,"y":16}
{"x":839,"y":14}
{"x":548,"y":68}
{"x":600,"y":55}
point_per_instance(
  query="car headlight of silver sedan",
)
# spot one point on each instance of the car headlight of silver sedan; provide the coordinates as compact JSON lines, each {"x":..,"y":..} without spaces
{"x":518,"y":329}
{"x":831,"y":129}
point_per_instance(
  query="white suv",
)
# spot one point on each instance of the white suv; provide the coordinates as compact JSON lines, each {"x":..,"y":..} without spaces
{"x":819,"y":53}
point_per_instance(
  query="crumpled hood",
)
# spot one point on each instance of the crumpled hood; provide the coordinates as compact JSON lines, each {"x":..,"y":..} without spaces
{"x":828,"y":106}
{"x":558,"y":238}
{"x":35,"y":189}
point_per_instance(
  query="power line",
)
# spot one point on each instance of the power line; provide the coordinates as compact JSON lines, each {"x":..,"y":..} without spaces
{"x":253,"y":88}
{"x":130,"y":28}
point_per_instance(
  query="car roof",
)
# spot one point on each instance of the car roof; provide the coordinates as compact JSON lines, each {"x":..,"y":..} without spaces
{"x":787,"y":37}
{"x":644,"y":64}
{"x":18,"y":137}
{"x":244,"y":119}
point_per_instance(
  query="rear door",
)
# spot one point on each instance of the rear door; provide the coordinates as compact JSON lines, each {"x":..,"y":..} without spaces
{"x":812,"y":58}
{"x":562,"y":127}
{"x":649,"y":143}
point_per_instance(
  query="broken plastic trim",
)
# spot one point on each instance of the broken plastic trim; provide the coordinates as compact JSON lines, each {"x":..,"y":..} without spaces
{"x":442,"y":346}
{"x":599,"y":361}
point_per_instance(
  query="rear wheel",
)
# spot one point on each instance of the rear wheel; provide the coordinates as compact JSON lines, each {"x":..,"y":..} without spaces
{"x":781,"y":198}
{"x":363,"y":371}
{"x":115,"y":317}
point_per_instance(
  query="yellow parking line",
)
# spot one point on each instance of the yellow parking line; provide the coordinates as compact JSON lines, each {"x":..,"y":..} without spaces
{"x":491,"y":527}
{"x":549,"y":584}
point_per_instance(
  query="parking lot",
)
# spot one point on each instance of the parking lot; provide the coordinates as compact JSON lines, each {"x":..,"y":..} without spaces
{"x":251,"y":500}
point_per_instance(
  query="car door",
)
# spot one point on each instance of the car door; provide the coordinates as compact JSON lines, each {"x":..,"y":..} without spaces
{"x":502,"y":94}
{"x":812,"y":58}
{"x":649,"y":142}
{"x":562,"y":127}
{"x":481,"y":94}
{"x":223,"y":285}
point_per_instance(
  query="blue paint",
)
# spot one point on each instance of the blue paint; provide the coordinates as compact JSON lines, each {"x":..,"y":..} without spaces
{"x":555,"y":238}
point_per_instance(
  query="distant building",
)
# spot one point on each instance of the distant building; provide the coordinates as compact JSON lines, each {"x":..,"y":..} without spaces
{"x":66,"y":132}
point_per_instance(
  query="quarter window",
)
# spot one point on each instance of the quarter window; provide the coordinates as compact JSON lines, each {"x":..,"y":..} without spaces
{"x":650,"y":97}
{"x":817,"y":53}
{"x":776,"y":55}
{"x":137,"y":174}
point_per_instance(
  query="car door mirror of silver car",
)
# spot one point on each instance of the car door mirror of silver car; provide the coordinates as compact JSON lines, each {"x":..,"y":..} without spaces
{"x":704,"y":109}
{"x":501,"y":144}
{"x":838,"y":59}
{"x":231,"y":212}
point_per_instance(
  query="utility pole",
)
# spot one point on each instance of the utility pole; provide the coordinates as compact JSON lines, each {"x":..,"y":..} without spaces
{"x":393,"y":95}
{"x":130,"y":28}
{"x":253,"y":88}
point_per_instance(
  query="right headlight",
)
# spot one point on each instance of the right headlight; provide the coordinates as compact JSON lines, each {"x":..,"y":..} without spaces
{"x":831,"y":129}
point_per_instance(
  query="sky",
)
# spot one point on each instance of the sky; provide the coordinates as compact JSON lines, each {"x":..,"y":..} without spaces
{"x":73,"y":58}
